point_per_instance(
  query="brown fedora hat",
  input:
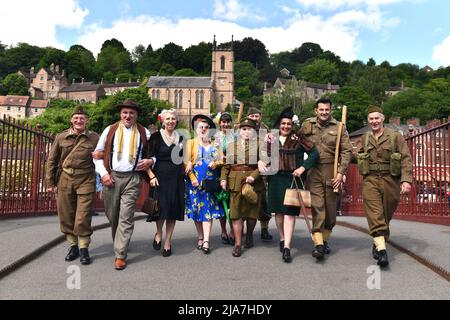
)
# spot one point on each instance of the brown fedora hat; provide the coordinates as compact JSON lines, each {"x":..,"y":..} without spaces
{"x":129,"y":103}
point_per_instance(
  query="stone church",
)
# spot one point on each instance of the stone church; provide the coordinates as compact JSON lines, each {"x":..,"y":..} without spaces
{"x":195,"y":95}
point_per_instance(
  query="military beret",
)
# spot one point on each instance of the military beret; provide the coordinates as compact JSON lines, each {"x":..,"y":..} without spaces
{"x":253,"y":110}
{"x":248,"y":123}
{"x":129,"y":103}
{"x":79,"y":110}
{"x":374,"y":109}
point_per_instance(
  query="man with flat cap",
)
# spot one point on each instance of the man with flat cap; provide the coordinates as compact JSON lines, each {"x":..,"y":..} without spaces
{"x":385,"y":163}
{"x":71,"y":174}
{"x":255,"y":114}
{"x":242,"y":168}
{"x":121,"y":161}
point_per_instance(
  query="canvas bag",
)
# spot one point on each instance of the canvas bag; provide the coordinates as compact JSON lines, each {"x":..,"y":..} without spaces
{"x":291,"y":195}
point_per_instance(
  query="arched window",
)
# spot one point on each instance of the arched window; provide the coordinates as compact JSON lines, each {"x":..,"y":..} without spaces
{"x":222,"y":63}
{"x":180,"y":99}
{"x":202,"y":97}
{"x":153,"y":94}
{"x":197,"y":99}
{"x":158,"y":94}
{"x":222,"y":97}
{"x":175,"y":102}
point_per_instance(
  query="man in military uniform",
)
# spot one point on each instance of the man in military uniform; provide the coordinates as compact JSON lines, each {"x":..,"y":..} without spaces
{"x":322,"y":131}
{"x":387,"y":174}
{"x":242,"y":177}
{"x":71,"y":174}
{"x":264,"y":217}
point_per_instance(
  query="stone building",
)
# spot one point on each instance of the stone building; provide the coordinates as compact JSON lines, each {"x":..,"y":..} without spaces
{"x":46,"y":83}
{"x":84,"y":92}
{"x":21,"y":107}
{"x":195,"y":95}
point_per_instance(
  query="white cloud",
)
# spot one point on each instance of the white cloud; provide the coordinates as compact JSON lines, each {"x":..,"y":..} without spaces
{"x":35,"y":22}
{"x":232,"y":10}
{"x":441,"y":53}
{"x":336,"y":4}
{"x":331,"y":35}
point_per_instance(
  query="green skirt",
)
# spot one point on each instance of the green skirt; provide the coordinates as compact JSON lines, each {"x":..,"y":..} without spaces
{"x":278,"y":184}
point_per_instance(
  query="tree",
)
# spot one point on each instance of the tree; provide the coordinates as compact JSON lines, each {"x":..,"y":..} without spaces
{"x":251,"y":50}
{"x":307,"y":50}
{"x":319,"y":71}
{"x":198,"y":57}
{"x":22,"y":57}
{"x":113,"y":57}
{"x":80,"y":63}
{"x":138,"y":53}
{"x":371,"y":63}
{"x":246,"y":75}
{"x":282,"y":60}
{"x":375,"y":82}
{"x":148,"y":63}
{"x":357,"y":100}
{"x":185,"y":72}
{"x":53,"y":55}
{"x":166,"y":70}
{"x":15,"y":84}
{"x":172,"y":54}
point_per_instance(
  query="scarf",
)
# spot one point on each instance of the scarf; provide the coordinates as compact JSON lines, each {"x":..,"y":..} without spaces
{"x":323,"y":123}
{"x":133,"y":141}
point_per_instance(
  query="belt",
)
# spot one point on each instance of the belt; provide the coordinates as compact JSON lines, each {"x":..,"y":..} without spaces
{"x":380,"y":167}
{"x":72,"y":171}
{"x":243,"y":168}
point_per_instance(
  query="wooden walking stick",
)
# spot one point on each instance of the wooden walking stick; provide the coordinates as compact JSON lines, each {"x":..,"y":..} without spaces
{"x":338,"y":142}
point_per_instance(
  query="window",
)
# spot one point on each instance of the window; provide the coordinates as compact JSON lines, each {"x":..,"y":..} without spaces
{"x":202,"y":98}
{"x":180,"y":99}
{"x":176,"y":99}
{"x":19,"y":108}
{"x":222,"y":63}
{"x":42,"y":78}
{"x":35,"y":110}
{"x":53,"y":87}
{"x":222,"y":98}
{"x":197,"y":99}
{"x":158,"y":94}
{"x":153,"y":94}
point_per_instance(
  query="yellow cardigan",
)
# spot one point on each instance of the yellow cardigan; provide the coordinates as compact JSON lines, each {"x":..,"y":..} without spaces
{"x":191,"y":156}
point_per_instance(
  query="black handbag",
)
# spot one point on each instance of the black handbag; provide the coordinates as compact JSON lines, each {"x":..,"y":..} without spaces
{"x":211,"y":186}
{"x":151,"y":206}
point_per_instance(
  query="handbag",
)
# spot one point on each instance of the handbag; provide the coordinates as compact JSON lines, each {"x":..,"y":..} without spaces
{"x":291,"y":197}
{"x":151,"y":206}
{"x":211,"y":186}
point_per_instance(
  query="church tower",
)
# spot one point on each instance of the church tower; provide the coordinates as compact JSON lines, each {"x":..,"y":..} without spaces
{"x":222,"y":74}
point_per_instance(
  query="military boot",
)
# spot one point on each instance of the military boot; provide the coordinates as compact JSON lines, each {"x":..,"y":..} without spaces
{"x":84,"y":256}
{"x":374,"y":252}
{"x":382,"y":259}
{"x":73,"y":253}
{"x":318,"y":252}
{"x":326,"y":248}
{"x":265,"y":235}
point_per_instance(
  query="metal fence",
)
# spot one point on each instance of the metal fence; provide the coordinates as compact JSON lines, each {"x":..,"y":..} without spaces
{"x":23,"y":152}
{"x":429,"y":200}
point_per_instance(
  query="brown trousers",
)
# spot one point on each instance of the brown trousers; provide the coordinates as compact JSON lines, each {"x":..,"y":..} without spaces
{"x":75,"y":202}
{"x":381,"y":195}
{"x":323,"y":199}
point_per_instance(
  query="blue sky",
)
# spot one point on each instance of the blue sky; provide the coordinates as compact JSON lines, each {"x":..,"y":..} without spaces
{"x":415,"y":31}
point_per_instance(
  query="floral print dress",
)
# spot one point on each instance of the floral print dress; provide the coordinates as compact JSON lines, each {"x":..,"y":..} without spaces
{"x":201,"y":205}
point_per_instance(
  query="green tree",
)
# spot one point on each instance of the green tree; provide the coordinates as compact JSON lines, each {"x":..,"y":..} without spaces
{"x":55,"y":56}
{"x":113,"y":57}
{"x":282,"y":60}
{"x":148,"y":63}
{"x":80,"y":64}
{"x":172,"y":54}
{"x":307,"y":51}
{"x":357,"y":100}
{"x":246,"y":75}
{"x":251,"y":50}
{"x":21,"y":57}
{"x":198,"y":57}
{"x":166,"y":70}
{"x":15,"y":84}
{"x":375,"y":81}
{"x":185,"y":72}
{"x":319,"y":71}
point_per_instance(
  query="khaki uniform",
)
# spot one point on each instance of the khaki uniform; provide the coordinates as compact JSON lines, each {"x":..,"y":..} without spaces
{"x":381,"y":191}
{"x":319,"y":179}
{"x":76,"y":183}
{"x":239,"y":165}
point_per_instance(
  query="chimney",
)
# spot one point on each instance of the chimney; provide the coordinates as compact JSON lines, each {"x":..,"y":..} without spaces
{"x":413,"y":121}
{"x":101,"y":81}
{"x":63,"y":72}
{"x":117,"y":80}
{"x":52,"y":67}
{"x":329,"y":86}
{"x":73,"y":81}
{"x":394,"y":121}
{"x":129,"y":80}
{"x":82,"y":80}
{"x":32,"y":70}
{"x":57,"y":69}
{"x":402,"y":85}
{"x":265,"y":85}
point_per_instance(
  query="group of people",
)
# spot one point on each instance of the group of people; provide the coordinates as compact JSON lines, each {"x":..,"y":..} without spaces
{"x":239,"y":176}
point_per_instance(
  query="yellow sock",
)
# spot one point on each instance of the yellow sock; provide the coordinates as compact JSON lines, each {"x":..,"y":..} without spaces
{"x":72,"y":239}
{"x":317,"y":238}
{"x":326,"y":234}
{"x":84,"y":242}
{"x":380,"y":243}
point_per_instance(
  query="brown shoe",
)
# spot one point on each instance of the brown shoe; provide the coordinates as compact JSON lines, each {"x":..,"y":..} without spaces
{"x":120,"y":264}
{"x":248,"y":242}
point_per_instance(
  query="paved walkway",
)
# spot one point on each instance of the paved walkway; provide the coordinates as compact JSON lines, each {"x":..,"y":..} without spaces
{"x":258,"y":274}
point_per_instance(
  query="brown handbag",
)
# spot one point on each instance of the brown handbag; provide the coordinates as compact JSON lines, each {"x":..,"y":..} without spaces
{"x":151,"y":207}
{"x":291,"y":197}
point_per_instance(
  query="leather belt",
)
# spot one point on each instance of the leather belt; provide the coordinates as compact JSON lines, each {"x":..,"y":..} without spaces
{"x":379,"y":167}
{"x":72,"y":171}
{"x":243,"y":167}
